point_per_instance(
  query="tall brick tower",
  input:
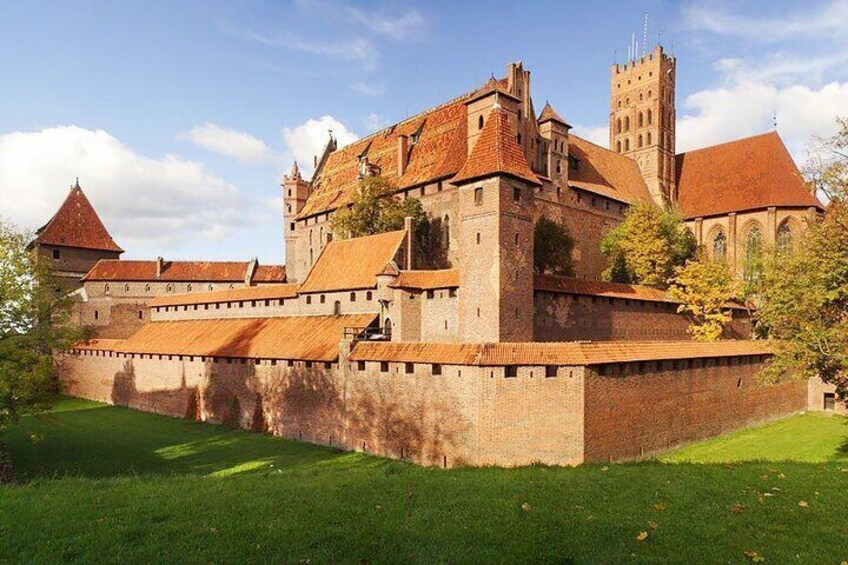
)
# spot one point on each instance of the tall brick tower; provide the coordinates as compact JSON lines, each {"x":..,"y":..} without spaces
{"x":496,"y":209}
{"x":295,"y":193}
{"x":642,"y":119}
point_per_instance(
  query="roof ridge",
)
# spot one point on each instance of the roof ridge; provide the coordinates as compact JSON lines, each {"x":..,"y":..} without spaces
{"x":723,"y":143}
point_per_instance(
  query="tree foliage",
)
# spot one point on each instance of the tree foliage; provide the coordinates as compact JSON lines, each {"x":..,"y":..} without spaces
{"x":33,"y":325}
{"x":704,"y":288}
{"x":827,"y":166}
{"x":552,"y":248}
{"x":647,"y":246}
{"x":803,"y":302}
{"x":374,"y":209}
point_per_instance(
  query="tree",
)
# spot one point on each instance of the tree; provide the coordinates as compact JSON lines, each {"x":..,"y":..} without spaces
{"x":647,"y":246}
{"x":804,"y":303}
{"x":704,"y":288}
{"x":33,"y":326}
{"x":374,"y":209}
{"x":827,"y":166}
{"x":552,"y":248}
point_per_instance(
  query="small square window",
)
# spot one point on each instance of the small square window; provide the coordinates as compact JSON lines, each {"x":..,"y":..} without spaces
{"x":56,"y":254}
{"x":384,"y":367}
{"x":437,"y":369}
{"x":511,"y":371}
{"x":360,"y":365}
{"x":550,"y":371}
{"x":409,"y":368}
{"x":308,"y":364}
{"x":431,"y":294}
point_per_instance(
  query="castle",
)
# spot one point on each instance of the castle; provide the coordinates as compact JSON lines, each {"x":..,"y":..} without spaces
{"x":484,"y":361}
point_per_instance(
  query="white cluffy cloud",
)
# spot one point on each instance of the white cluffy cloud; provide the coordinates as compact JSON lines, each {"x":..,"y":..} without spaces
{"x":142,"y":200}
{"x":230,"y":143}
{"x":309,"y":139}
{"x":397,"y":26}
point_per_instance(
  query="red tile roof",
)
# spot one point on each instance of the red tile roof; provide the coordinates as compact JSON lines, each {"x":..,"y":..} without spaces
{"x":565,"y":353}
{"x":606,"y":172}
{"x":182,"y":271}
{"x":746,"y":174}
{"x":427,"y":280}
{"x":437,"y":150}
{"x":548,"y":113}
{"x":350,"y":264}
{"x":496,"y":152}
{"x":76,"y":224}
{"x":311,"y":338}
{"x":264,"y":292}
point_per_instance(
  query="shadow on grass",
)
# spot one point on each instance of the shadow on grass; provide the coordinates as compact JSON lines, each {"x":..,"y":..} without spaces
{"x":86,"y":439}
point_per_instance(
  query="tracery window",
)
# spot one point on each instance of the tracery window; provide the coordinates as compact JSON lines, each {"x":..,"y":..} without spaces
{"x":753,"y":249}
{"x":720,"y":246}
{"x":784,"y":238}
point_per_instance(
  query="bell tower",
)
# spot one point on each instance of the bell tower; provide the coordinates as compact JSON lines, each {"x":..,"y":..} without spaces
{"x":642,"y":119}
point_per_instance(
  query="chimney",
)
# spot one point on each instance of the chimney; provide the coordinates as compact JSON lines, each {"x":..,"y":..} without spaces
{"x":403,"y":153}
{"x":251,"y":270}
{"x":409,"y":228}
{"x":159,"y":263}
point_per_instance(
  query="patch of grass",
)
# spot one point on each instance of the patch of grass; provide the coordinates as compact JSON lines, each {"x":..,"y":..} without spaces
{"x":111,"y":484}
{"x":813,"y":437}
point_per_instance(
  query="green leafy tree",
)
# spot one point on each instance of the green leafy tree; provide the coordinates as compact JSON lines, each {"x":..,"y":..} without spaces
{"x":827,"y":166}
{"x":552,"y":248}
{"x":647,"y":246}
{"x":803,"y":303}
{"x":374,"y":209}
{"x":704,"y":288}
{"x":33,"y":326}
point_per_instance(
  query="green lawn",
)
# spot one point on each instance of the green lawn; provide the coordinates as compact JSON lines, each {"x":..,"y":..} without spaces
{"x":106,"y":484}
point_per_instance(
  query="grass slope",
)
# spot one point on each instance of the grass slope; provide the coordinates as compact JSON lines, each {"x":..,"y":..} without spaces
{"x":107,"y":484}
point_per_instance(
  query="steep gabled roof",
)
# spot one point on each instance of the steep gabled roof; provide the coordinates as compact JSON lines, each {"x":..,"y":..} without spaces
{"x":183,"y":271}
{"x":606,"y":172}
{"x":351,"y":264}
{"x":746,"y":174}
{"x":76,"y":224}
{"x":496,"y":153}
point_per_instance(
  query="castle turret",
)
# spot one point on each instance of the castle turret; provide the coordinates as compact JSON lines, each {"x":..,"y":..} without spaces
{"x":295,"y":193}
{"x":554,"y":130}
{"x":642,"y":119}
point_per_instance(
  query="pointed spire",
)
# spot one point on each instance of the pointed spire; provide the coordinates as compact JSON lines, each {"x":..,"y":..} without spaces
{"x":548,"y":113}
{"x":76,"y":224}
{"x":295,"y":172}
{"x":76,"y":185}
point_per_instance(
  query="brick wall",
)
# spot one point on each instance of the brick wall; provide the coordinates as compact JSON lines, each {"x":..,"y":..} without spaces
{"x":634,"y":414}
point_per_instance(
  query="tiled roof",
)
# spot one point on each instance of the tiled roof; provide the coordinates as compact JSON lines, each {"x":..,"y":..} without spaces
{"x":746,"y":174}
{"x":565,"y":353}
{"x":76,"y":224}
{"x":350,"y":264}
{"x":311,"y":338}
{"x":437,"y":152}
{"x":427,"y":280}
{"x":606,"y":172}
{"x":182,"y":271}
{"x":496,"y":152}
{"x":570,"y":285}
{"x":264,"y":292}
{"x":548,"y":113}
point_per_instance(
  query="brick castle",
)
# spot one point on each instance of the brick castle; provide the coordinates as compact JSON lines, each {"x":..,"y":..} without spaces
{"x":353,"y":344}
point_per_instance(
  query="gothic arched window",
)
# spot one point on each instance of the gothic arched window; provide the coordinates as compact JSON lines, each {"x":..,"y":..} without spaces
{"x":627,"y":145}
{"x":641,"y":119}
{"x":480,"y":122}
{"x":626,"y":123}
{"x":784,"y":238}
{"x":639,"y":142}
{"x":618,"y":146}
{"x":753,"y":249}
{"x":648,"y":142}
{"x":719,"y":246}
{"x":650,"y":116}
{"x":618,"y":125}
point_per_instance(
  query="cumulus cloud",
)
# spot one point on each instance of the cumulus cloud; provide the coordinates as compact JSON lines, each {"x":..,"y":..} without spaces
{"x":826,"y":20}
{"x":230,"y":143}
{"x":310,"y":138}
{"x":143,"y":201}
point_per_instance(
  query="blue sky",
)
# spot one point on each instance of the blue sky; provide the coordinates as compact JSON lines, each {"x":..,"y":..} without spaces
{"x":179,"y":117}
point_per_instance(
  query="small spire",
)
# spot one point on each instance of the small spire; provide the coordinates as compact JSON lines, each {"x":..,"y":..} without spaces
{"x":76,"y":185}
{"x":295,"y":171}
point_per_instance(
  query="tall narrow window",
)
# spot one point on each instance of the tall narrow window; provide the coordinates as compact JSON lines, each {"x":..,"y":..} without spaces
{"x":626,"y":123}
{"x":720,"y":246}
{"x":337,"y":308}
{"x":446,"y":232}
{"x":480,"y":122}
{"x":650,"y":113}
{"x":627,"y":145}
{"x":784,"y":238}
{"x":753,"y":247}
{"x":639,"y":142}
{"x":57,"y":254}
{"x":478,"y":195}
{"x":641,"y":119}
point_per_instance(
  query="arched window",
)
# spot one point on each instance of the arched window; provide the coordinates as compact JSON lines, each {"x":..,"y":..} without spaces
{"x":126,"y":288}
{"x":337,"y":308}
{"x":618,"y":125}
{"x":618,"y":146}
{"x":626,"y":123}
{"x":649,"y":95}
{"x":784,"y":238}
{"x":650,"y":115}
{"x":641,"y":119}
{"x":648,"y":141}
{"x":753,"y":248}
{"x":627,"y":145}
{"x":169,"y":288}
{"x":639,"y":141}
{"x":387,"y":327}
{"x":147,"y":288}
{"x":107,"y":288}
{"x":446,"y":231}
{"x":720,"y":246}
{"x":480,"y":122}
{"x":353,"y":297}
{"x":188,"y":287}
{"x":209,"y":287}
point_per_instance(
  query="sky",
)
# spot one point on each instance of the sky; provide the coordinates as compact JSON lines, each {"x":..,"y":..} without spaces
{"x":179,"y":118}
